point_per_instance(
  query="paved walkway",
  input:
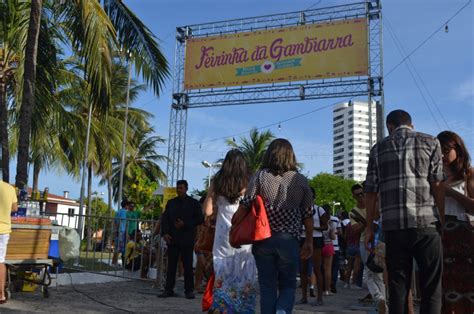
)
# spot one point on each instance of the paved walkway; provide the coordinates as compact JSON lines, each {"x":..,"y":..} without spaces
{"x":137,"y":296}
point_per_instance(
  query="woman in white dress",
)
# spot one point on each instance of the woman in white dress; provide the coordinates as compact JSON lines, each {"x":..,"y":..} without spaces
{"x":234,"y":269}
{"x":458,"y":236}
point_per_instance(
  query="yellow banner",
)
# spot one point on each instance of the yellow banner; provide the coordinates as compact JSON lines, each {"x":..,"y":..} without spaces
{"x":168,"y":193}
{"x":306,"y":52}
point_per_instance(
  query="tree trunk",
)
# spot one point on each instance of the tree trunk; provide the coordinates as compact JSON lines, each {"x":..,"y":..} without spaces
{"x":36,"y":172}
{"x":109,"y":190}
{"x":4,"y":132}
{"x":28,"y":97}
{"x":109,"y":220}
{"x":89,"y":208}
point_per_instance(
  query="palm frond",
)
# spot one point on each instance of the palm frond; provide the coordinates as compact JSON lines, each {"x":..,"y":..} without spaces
{"x":137,"y":38}
{"x":93,"y":39}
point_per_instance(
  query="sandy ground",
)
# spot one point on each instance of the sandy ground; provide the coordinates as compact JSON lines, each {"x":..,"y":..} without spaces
{"x":139,"y":297}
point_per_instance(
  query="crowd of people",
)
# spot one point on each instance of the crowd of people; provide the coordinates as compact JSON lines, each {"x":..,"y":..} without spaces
{"x":414,"y":213}
{"x":415,"y":207}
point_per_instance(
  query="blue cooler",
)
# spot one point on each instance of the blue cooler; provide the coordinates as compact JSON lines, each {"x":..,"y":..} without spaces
{"x":54,"y":243}
{"x":54,"y":247}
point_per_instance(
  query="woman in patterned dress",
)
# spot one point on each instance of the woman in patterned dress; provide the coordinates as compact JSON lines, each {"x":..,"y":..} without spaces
{"x":458,"y":238}
{"x":234,"y":269}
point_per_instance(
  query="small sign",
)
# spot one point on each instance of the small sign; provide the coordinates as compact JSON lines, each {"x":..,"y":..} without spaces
{"x":168,"y":193}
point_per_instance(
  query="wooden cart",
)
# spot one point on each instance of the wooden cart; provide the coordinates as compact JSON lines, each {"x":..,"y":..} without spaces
{"x":27,"y":254}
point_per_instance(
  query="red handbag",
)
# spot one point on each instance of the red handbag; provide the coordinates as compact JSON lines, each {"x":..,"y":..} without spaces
{"x":207,"y":297}
{"x":249,"y":224}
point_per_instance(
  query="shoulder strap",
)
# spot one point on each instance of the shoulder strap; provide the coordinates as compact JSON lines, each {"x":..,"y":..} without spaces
{"x":466,"y":183}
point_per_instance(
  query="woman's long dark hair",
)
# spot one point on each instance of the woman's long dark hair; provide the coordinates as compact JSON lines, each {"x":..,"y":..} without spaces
{"x":279,"y":157}
{"x":233,"y":177}
{"x":462,"y":165}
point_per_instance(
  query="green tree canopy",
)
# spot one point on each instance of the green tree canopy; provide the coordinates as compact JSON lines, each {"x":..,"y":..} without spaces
{"x":330,"y":188}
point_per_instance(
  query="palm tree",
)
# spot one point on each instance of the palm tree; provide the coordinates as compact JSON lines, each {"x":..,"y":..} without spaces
{"x":42,"y":150}
{"x":12,"y":16}
{"x":142,"y":154}
{"x":28,"y":97}
{"x":95,"y":33}
{"x":106,"y":136}
{"x":137,"y":118}
{"x":254,"y":147}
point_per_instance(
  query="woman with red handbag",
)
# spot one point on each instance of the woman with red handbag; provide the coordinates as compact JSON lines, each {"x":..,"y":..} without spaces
{"x":288,"y":201}
{"x":235,"y":273}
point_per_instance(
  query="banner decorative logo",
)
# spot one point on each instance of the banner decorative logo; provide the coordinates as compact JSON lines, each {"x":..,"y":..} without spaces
{"x":306,"y":52}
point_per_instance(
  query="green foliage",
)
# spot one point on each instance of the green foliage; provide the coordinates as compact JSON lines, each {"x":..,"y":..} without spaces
{"x":140,"y":191}
{"x":91,"y":32}
{"x":99,"y":212}
{"x":154,"y":209}
{"x":330,"y":188}
{"x":201,"y":193}
{"x":254,"y":147}
{"x":142,"y":154}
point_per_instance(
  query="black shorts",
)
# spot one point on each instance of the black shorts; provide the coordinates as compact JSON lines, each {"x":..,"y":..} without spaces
{"x":317,"y":242}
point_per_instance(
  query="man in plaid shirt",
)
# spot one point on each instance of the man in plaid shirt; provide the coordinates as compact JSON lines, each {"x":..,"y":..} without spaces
{"x":406,"y":170}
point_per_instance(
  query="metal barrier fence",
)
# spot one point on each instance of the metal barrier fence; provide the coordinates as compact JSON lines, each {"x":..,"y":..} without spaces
{"x":128,"y":248}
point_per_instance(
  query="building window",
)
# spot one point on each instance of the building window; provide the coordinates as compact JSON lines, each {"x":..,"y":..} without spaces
{"x":351,"y":161}
{"x":339,"y":164}
{"x":339,"y":150}
{"x":338,"y":144}
{"x":339,"y":130}
{"x":339,"y":137}
{"x":351,"y":119}
{"x":338,"y":172}
{"x":338,"y":158}
{"x":350,"y":140}
{"x":351,"y":168}
{"x":338,"y":117}
{"x":70,"y":212}
{"x":338,"y":124}
{"x":351,"y":146}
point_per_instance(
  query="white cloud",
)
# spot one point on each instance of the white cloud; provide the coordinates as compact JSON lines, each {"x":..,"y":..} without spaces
{"x":465,"y":91}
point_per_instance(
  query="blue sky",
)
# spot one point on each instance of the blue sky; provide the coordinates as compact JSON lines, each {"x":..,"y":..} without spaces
{"x":443,"y":67}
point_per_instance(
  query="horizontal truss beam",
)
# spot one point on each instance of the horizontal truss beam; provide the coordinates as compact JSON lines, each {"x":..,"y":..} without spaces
{"x":279,"y":93}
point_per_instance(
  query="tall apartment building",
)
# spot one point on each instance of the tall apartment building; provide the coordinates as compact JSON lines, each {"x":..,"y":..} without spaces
{"x":351,"y":146}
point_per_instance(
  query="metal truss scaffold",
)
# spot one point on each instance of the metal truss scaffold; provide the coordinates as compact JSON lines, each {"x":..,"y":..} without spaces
{"x":347,"y":88}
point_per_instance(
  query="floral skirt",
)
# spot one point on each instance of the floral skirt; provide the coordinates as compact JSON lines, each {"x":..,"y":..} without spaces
{"x":235,"y":286}
{"x":458,"y":267}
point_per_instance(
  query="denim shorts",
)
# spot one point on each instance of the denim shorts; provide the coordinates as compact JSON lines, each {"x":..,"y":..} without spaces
{"x":353,"y":251}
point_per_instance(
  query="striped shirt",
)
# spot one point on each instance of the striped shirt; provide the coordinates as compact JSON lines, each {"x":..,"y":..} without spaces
{"x":288,"y":199}
{"x":401,"y":168}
